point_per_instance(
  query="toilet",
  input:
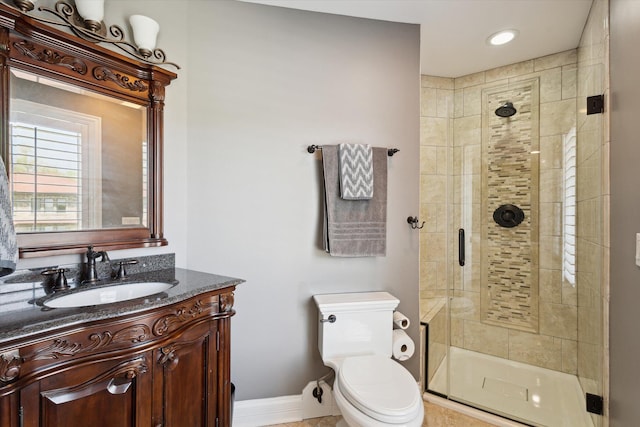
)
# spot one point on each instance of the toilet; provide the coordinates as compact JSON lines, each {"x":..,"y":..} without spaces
{"x":355,"y":337}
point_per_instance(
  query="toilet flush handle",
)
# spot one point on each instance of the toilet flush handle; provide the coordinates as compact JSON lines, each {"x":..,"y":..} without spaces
{"x":330,"y":319}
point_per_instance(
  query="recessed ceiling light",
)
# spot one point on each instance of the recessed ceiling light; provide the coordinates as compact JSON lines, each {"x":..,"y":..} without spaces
{"x":502,"y":37}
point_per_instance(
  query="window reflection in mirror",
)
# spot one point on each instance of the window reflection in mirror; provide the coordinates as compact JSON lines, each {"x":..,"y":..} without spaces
{"x":78,"y":159}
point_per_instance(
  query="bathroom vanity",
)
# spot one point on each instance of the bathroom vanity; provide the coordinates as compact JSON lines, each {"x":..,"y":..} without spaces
{"x":160,"y":360}
{"x":157,"y":360}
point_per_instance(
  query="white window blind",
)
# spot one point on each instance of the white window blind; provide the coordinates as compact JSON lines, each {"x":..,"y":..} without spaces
{"x":46,"y":168}
{"x":569,"y":211}
{"x":55,"y":168}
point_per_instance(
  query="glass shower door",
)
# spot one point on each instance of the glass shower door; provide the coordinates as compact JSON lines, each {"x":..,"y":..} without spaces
{"x":528,"y":307}
{"x":525,"y":316}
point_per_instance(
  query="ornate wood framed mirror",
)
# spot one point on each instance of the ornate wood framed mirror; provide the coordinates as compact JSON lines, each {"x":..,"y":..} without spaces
{"x":81,"y":137}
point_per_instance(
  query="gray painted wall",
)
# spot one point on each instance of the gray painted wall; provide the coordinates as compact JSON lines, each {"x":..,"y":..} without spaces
{"x":242,"y":196}
{"x":264,"y":83}
{"x":625,"y":213}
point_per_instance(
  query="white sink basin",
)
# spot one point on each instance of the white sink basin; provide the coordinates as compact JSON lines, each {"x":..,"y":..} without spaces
{"x":108,"y":294}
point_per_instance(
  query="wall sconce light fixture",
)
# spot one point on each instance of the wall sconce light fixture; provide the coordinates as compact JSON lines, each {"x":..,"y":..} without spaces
{"x":92,"y":11}
{"x":84,"y":19}
{"x":145,"y":32}
{"x":25,"y":5}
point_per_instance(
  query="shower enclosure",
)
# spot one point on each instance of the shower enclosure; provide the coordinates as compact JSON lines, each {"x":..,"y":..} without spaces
{"x":513,"y":252}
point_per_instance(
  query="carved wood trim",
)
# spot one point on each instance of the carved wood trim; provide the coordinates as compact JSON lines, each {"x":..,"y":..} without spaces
{"x":10,"y":364}
{"x":105,"y":74}
{"x":4,"y":43}
{"x":50,"y":56}
{"x":171,"y":321}
{"x":226,"y":301}
{"x":156,"y":92}
{"x":133,"y":334}
{"x":60,"y":348}
{"x":168,"y":354}
{"x":56,"y":350}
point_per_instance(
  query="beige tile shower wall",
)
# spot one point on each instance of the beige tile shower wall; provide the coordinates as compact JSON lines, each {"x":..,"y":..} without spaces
{"x":555,"y":346}
{"x":593,"y":207}
{"x":435,"y":210}
{"x":435,"y":157}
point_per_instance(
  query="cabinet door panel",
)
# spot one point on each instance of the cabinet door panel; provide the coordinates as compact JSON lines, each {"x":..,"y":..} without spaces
{"x":99,"y":409}
{"x":9,"y":411}
{"x":188,"y":367}
{"x":97,"y":395}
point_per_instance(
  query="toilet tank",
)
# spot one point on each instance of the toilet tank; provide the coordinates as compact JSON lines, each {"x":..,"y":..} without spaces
{"x":363,"y":324}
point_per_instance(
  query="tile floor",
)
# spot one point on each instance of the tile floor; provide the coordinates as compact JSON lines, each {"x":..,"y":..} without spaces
{"x":435,"y":416}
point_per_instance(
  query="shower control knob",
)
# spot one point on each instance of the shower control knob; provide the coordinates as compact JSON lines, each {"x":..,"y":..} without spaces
{"x":508,"y":216}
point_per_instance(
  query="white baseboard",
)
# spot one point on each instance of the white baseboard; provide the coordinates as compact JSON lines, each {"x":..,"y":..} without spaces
{"x":290,"y":409}
{"x":285,"y":409}
{"x":263,"y":412}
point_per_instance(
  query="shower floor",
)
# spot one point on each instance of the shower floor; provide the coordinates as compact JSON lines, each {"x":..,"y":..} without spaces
{"x":536,"y":396}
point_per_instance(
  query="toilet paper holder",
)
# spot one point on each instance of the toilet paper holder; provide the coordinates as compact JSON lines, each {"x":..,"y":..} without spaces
{"x":330,"y":319}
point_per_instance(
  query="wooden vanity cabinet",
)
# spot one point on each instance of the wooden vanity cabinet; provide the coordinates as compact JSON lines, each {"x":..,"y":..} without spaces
{"x":167,"y":367}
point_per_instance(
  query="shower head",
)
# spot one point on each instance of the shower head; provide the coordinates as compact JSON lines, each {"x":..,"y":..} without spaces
{"x":506,"y":110}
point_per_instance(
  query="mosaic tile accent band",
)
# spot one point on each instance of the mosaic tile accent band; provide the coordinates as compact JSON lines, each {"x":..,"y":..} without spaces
{"x":510,"y":175}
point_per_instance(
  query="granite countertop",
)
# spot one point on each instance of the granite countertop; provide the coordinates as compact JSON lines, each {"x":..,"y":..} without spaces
{"x":22,"y":315}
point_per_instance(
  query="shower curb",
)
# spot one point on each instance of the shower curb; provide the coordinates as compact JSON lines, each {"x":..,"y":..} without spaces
{"x":471,"y":412}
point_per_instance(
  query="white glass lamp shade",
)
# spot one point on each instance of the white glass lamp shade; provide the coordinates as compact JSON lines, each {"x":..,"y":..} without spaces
{"x":91,"y":10}
{"x":145,"y":32}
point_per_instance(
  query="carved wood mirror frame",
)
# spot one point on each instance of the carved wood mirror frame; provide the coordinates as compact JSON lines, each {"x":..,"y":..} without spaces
{"x":32,"y":46}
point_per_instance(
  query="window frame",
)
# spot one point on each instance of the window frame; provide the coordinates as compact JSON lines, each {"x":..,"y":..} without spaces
{"x":90,"y":128}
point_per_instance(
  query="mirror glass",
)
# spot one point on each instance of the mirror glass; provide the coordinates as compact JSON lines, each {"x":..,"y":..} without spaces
{"x":77,"y":158}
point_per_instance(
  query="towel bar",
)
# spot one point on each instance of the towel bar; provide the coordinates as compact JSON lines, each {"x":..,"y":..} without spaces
{"x":312,"y":149}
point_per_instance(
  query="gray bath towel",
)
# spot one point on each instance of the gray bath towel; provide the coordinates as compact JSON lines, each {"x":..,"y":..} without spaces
{"x":355,"y":228}
{"x":8,"y":241}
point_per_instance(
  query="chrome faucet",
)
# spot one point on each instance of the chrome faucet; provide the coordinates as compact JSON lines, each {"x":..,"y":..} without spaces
{"x":91,"y":274}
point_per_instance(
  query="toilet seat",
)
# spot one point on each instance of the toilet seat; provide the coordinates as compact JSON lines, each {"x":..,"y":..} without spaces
{"x":380,"y":388}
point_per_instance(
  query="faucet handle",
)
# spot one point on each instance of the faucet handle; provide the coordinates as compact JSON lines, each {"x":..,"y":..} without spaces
{"x":91,"y":255}
{"x":60,"y":283}
{"x":122,"y":272}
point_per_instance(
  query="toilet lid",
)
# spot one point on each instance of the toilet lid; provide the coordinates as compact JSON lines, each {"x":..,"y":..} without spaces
{"x":380,"y":387}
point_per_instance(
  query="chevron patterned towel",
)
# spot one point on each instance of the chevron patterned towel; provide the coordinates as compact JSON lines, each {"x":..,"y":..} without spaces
{"x":356,"y":171}
{"x":8,"y":241}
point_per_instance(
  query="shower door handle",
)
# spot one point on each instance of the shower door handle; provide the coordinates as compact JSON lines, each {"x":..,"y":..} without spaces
{"x":461,"y":247}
